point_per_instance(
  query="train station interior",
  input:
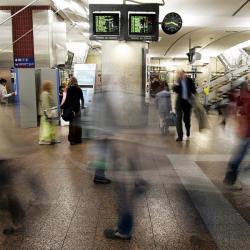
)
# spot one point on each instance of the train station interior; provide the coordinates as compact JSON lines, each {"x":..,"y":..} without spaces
{"x":124,"y":124}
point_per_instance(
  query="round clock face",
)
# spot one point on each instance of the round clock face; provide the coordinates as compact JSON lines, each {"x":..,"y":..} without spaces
{"x":171,"y":23}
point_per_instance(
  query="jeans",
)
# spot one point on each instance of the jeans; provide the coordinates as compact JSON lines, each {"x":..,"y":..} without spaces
{"x":234,"y":164}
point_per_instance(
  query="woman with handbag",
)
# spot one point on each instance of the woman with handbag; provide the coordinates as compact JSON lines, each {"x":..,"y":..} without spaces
{"x":72,"y":111}
{"x":48,"y":113}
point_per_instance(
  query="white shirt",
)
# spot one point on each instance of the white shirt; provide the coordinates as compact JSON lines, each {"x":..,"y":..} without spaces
{"x":4,"y":94}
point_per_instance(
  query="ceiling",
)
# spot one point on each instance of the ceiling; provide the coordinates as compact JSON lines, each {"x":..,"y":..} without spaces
{"x":23,"y":2}
{"x":209,"y":24}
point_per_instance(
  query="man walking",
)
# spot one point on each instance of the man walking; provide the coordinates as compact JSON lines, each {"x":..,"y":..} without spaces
{"x":184,"y":88}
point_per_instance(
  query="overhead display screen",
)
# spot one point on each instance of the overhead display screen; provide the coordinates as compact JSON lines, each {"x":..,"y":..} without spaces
{"x":106,"y":24}
{"x":124,"y":22}
{"x":142,"y":24}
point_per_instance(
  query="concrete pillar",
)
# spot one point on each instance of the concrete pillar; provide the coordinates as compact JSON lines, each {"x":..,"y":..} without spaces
{"x":122,"y":65}
{"x":122,"y":69}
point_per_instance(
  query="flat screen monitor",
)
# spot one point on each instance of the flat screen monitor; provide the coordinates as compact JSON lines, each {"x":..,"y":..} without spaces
{"x":142,"y":24}
{"x":106,"y":24}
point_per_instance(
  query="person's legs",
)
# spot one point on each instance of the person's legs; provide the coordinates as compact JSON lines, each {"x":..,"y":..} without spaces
{"x":179,"y":120}
{"x":53,"y":134}
{"x":101,"y":164}
{"x":186,"y":107}
{"x":44,"y":132}
{"x":124,"y":200}
{"x":75,"y":130}
{"x":163,"y":122}
{"x":234,"y":164}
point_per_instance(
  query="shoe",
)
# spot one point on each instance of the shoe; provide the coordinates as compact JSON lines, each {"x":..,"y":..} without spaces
{"x":103,"y":180}
{"x":44,"y":143}
{"x":114,"y":234}
{"x":74,"y":143}
{"x":235,"y":187}
{"x":141,"y":187}
{"x":13,"y":230}
{"x":179,"y":139}
{"x":56,"y":141}
{"x":230,"y":177}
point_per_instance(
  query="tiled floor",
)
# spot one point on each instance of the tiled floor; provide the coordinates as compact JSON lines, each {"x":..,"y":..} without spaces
{"x":171,"y":214}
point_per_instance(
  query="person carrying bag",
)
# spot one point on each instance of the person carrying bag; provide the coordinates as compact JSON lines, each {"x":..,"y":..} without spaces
{"x":49,"y":114}
{"x":72,"y":111}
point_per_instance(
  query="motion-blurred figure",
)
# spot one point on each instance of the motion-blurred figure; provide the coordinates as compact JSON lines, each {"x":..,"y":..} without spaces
{"x":9,"y":199}
{"x":10,"y":170}
{"x":206,"y":90}
{"x":229,"y":107}
{"x":115,"y":114}
{"x":72,"y":104}
{"x":4,"y":95}
{"x":244,"y":135}
{"x":128,"y":185}
{"x":47,"y":127}
{"x":164,"y":105}
{"x":184,"y":88}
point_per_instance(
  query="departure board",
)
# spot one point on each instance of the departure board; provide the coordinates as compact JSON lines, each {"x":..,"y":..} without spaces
{"x":142,"y":24}
{"x":106,"y":23}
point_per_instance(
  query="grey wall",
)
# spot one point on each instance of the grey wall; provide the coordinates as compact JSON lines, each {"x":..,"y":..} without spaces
{"x":51,"y":75}
{"x":27,"y":98}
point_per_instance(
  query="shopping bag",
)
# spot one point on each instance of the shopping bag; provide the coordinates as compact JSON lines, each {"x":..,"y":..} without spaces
{"x":171,"y":120}
{"x":51,"y":114}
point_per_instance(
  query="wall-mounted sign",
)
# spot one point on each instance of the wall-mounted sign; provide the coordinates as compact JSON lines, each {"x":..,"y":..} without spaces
{"x":24,"y":62}
{"x":171,"y":23}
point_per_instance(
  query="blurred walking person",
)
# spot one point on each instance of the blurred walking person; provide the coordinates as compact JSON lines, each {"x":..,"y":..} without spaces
{"x":72,"y":111}
{"x":206,"y":90}
{"x":244,"y":138}
{"x":164,"y":107}
{"x":47,"y":134}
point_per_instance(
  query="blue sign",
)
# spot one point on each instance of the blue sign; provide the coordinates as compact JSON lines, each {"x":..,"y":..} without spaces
{"x":24,"y":62}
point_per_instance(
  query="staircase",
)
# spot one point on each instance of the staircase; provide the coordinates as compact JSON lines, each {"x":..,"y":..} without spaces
{"x":221,"y":85}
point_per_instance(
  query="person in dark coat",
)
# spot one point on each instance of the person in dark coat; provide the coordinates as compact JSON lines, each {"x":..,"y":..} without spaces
{"x":74,"y":100}
{"x":185,"y":89}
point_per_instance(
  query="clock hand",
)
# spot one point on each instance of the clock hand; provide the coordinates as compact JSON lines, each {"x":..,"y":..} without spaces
{"x":173,"y":23}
